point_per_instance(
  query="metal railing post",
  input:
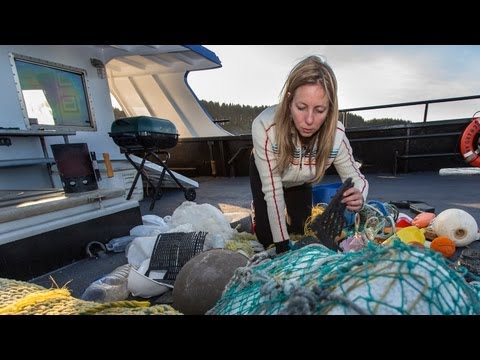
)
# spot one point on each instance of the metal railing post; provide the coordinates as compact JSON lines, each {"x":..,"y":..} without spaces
{"x":425,"y":114}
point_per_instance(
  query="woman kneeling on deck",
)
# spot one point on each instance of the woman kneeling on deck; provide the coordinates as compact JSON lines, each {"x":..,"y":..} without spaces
{"x":294,"y":143}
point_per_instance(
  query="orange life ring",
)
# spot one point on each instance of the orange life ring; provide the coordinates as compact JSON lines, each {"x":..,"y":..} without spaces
{"x":469,"y":150}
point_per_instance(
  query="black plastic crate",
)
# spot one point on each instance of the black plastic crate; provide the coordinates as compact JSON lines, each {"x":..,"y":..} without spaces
{"x":172,"y":251}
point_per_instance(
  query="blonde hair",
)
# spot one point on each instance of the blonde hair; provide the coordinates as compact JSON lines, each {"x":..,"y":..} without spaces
{"x":311,"y":70}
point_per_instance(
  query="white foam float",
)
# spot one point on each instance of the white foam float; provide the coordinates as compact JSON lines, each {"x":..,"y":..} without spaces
{"x":456,"y":224}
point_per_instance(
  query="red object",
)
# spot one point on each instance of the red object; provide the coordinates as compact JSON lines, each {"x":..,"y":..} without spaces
{"x":403,"y":223}
{"x":467,"y":143}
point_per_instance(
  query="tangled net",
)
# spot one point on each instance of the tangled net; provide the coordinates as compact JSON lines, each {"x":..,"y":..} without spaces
{"x":22,"y":298}
{"x":329,"y":223}
{"x":378,"y":220}
{"x":395,"y":279}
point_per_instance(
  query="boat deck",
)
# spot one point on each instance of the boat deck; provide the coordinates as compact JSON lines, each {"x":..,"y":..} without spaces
{"x":233,"y":197}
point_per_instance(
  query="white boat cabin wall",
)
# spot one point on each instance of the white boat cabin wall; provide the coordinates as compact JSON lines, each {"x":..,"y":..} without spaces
{"x":52,"y":94}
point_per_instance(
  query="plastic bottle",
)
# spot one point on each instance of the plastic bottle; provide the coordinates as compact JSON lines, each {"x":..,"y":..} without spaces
{"x":119,"y":244}
{"x":112,"y":287}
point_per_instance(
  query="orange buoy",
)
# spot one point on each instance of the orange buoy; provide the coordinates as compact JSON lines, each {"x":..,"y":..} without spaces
{"x":467,"y":145}
{"x":443,"y":245}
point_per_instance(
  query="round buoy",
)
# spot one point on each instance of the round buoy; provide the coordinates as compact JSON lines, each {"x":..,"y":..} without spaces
{"x":200,"y":282}
{"x":468,"y":143}
{"x":457,"y":225}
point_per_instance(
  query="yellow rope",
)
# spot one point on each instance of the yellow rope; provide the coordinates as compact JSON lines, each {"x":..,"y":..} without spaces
{"x":22,"y":298}
{"x":33,"y":299}
{"x":241,"y":242}
{"x":316,"y":211}
{"x":160,"y":309}
{"x":116,"y":304}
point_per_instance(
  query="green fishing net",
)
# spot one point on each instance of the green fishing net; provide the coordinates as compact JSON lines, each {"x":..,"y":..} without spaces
{"x":394,"y":279}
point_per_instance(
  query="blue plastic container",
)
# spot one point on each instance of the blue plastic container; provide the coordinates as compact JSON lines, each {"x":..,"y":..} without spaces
{"x":323,"y":193}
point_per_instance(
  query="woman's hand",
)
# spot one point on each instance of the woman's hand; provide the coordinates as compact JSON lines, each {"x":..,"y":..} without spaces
{"x":353,"y":198}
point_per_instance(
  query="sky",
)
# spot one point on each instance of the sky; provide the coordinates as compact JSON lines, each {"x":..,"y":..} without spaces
{"x":367,"y":75}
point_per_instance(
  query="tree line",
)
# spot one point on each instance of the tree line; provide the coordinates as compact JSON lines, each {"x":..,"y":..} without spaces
{"x":234,"y":118}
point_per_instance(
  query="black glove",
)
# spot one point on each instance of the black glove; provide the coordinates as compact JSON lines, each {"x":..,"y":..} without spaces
{"x":282,"y":246}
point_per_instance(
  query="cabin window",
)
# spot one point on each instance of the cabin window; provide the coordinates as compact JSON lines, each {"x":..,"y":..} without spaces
{"x":52,"y":95}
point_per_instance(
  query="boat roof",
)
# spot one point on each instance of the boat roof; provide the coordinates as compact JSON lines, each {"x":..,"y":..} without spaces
{"x":181,"y":57}
{"x":152,"y":80}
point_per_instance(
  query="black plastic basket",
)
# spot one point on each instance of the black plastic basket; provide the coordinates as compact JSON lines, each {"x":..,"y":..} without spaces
{"x":172,"y":251}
